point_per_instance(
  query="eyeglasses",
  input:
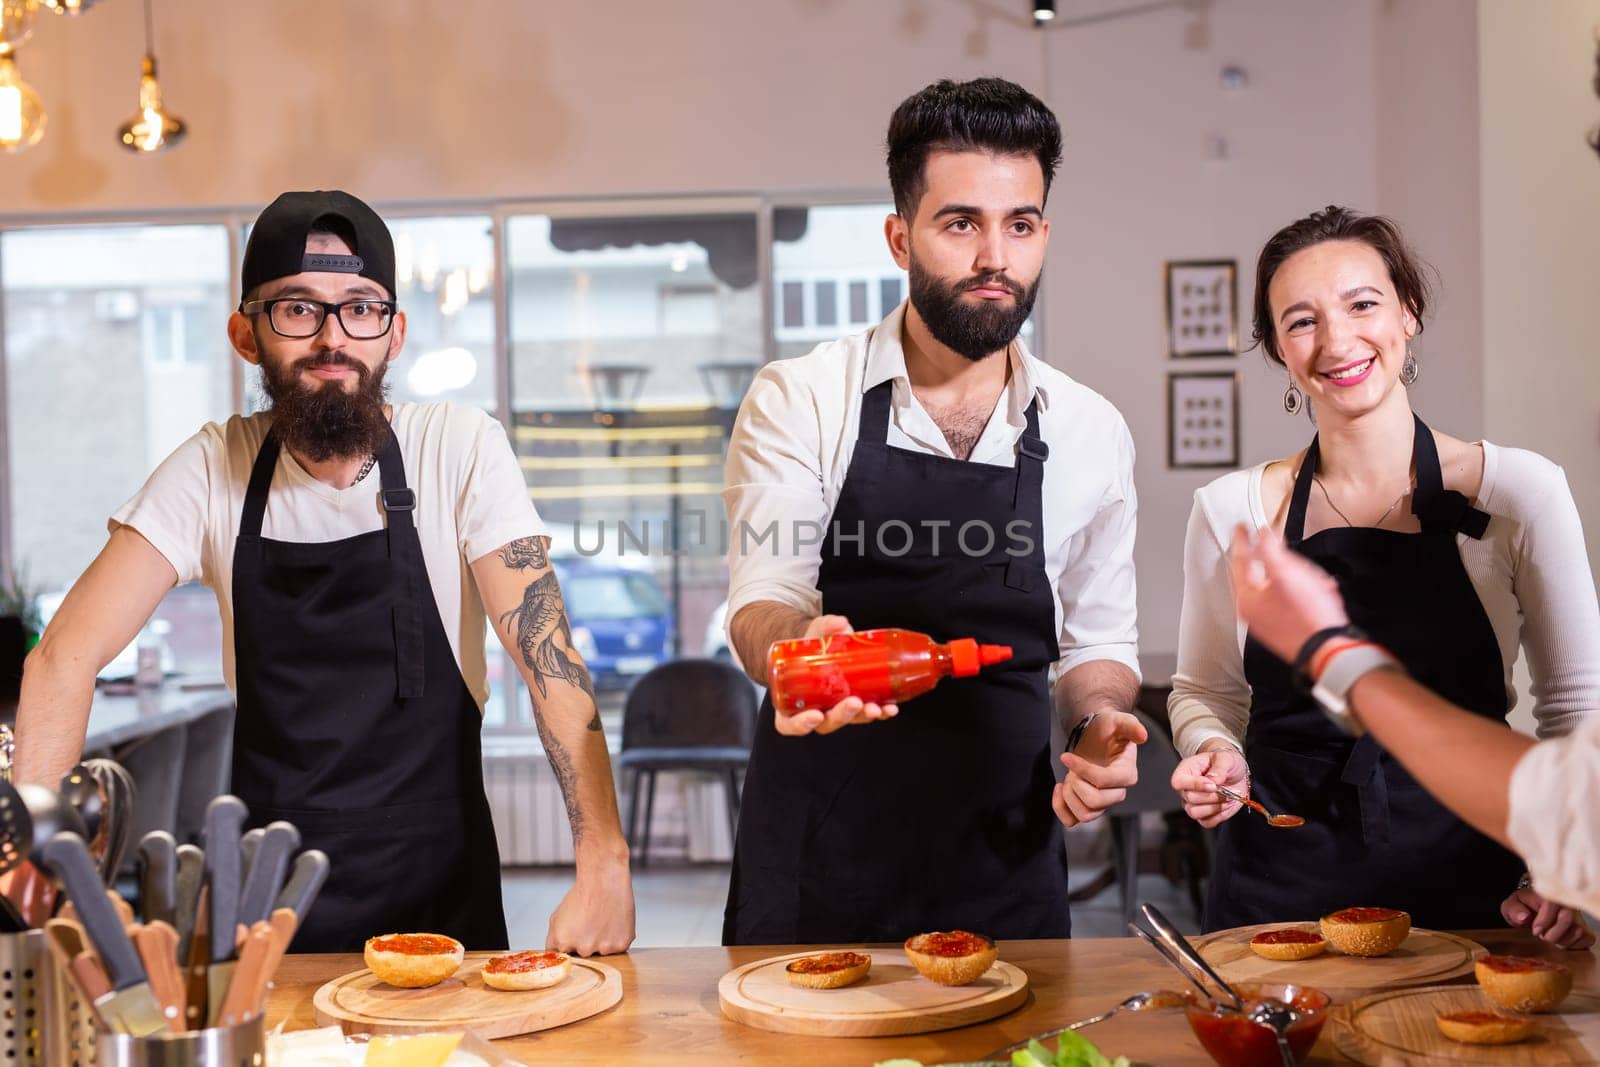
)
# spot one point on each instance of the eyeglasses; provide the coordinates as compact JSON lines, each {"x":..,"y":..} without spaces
{"x":298,"y":317}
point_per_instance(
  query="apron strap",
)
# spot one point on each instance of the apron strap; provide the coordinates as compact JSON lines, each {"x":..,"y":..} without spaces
{"x":1031,"y":454}
{"x":255,"y":497}
{"x":1440,"y":509}
{"x":405,"y":553}
{"x":874,"y":422}
{"x":1294,"y":525}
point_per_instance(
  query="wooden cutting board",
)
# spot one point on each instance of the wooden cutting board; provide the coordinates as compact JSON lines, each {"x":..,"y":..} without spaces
{"x":1397,"y":1028}
{"x":1428,"y":956}
{"x":360,"y":1003}
{"x":893,"y":999}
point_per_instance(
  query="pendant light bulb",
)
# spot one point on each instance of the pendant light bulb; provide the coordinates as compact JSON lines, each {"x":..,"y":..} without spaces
{"x":152,"y":127}
{"x":1043,"y":11}
{"x":21,"y":112}
{"x":16,"y":24}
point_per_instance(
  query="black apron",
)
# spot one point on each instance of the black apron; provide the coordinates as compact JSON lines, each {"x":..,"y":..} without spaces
{"x":355,"y":725}
{"x":939,"y":818}
{"x":1373,"y":836}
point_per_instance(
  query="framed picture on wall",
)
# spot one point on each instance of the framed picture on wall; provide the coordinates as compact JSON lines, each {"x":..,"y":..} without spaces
{"x":1202,"y":308}
{"x":1202,"y":419}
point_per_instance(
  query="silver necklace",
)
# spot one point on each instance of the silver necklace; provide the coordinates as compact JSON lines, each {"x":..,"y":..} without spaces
{"x":1386,"y":511}
{"x":366,"y":469}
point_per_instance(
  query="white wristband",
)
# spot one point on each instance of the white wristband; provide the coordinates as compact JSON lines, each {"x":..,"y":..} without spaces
{"x":1340,"y":673}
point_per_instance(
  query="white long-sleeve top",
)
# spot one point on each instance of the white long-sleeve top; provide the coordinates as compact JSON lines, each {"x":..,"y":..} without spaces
{"x":1554,"y":823}
{"x":1530,"y":570}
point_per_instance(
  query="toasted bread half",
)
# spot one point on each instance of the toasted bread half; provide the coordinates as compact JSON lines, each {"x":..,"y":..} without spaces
{"x":1288,"y":944}
{"x":527,"y":970}
{"x":830,"y":970}
{"x":412,"y":961}
{"x":1522,"y":983}
{"x":1484,"y":1028}
{"x":952,"y":957}
{"x":1366,"y":931}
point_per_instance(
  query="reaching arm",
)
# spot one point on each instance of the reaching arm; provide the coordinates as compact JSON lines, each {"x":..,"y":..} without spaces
{"x":523,"y":599}
{"x":102,"y":612}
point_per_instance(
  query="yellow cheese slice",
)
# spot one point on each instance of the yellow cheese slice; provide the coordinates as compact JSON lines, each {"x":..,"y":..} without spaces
{"x":411,"y":1050}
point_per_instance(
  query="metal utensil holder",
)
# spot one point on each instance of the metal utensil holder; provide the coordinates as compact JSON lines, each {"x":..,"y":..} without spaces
{"x":244,"y":1045}
{"x":47,"y":1021}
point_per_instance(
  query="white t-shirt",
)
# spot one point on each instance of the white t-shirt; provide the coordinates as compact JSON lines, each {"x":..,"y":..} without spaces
{"x":471,"y":499}
{"x":1530,"y":571}
{"x":796,"y":433}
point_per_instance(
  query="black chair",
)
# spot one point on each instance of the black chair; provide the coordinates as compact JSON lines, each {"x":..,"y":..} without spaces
{"x":687,"y":715}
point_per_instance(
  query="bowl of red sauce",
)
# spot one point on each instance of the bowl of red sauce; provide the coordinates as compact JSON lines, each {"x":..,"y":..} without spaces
{"x":1234,"y":1041}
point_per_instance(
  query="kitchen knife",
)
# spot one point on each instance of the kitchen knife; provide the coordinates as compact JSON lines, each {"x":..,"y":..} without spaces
{"x":194,"y":973}
{"x":310,"y":871}
{"x":247,"y":852}
{"x":225,"y":817}
{"x":186,"y":895}
{"x":157,"y":943}
{"x":158,"y":877}
{"x":130,"y":1007}
{"x":265,"y":880}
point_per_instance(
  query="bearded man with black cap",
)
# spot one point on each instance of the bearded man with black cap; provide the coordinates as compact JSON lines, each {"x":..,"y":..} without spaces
{"x":355,"y":548}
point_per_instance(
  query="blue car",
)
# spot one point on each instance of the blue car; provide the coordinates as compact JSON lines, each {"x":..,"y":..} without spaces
{"x":621,"y":621}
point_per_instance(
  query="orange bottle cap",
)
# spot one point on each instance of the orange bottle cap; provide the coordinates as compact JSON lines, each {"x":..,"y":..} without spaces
{"x":964,"y":660}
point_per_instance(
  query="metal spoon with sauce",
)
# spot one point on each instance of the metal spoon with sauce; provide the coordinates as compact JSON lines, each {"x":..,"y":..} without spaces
{"x":1286,"y":822}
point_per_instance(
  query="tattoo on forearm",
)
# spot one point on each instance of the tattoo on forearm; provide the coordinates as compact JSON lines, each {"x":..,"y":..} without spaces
{"x":566,"y":774}
{"x":540,"y":619}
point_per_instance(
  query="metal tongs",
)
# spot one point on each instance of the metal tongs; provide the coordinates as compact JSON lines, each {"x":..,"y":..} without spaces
{"x":1176,"y":950}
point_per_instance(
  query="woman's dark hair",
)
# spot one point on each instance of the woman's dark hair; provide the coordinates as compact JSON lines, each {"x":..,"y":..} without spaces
{"x":1335,"y":223}
{"x":985,"y":114}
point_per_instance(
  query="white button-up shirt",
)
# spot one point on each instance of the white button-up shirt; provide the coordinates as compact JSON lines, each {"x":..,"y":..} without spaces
{"x":797,"y":430}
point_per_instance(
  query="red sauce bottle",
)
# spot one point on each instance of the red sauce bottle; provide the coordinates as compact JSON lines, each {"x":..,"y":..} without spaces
{"x":879,"y":666}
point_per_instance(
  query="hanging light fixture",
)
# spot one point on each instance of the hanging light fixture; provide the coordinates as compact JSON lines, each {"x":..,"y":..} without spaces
{"x":16,"y":24}
{"x":21,"y":113}
{"x":152,"y":127}
{"x":69,"y":7}
{"x":1043,"y":11}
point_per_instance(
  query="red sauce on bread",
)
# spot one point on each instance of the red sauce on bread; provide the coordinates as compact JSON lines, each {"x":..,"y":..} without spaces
{"x":951,"y":944}
{"x":520,"y":962}
{"x":1477,"y":1018}
{"x":828,"y":963}
{"x":416,"y":944}
{"x":1518,"y":964}
{"x":1286,"y":937}
{"x":1365,"y":915}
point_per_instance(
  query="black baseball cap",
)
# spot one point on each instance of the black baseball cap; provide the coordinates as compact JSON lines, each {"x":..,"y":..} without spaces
{"x":277,"y":246}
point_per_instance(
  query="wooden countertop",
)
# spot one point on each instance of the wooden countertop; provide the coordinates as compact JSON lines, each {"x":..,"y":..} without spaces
{"x":670,"y":1015}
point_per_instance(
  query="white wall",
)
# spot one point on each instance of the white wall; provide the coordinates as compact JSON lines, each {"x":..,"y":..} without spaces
{"x":1369,"y":103}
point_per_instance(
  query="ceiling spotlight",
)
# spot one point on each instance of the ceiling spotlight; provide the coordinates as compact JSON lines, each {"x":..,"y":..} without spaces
{"x":69,"y":7}
{"x":1043,"y":11}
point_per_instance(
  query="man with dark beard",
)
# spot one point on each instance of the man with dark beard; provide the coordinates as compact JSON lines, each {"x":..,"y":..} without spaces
{"x":355,"y":547}
{"x":931,"y":474}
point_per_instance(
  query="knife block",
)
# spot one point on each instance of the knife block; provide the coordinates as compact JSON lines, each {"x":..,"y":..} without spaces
{"x":47,"y":1021}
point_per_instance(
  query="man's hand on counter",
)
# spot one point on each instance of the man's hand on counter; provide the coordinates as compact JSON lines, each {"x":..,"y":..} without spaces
{"x":596,"y":916}
{"x":1101,"y":769}
{"x":1554,"y":923}
{"x":848,"y":712}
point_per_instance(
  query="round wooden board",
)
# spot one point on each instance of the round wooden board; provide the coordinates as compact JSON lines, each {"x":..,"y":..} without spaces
{"x":1397,"y":1028}
{"x":893,"y":999}
{"x":1427,"y":956}
{"x":360,"y":1003}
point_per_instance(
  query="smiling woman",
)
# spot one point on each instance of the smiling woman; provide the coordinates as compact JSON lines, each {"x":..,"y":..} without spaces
{"x":1424,"y":533}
